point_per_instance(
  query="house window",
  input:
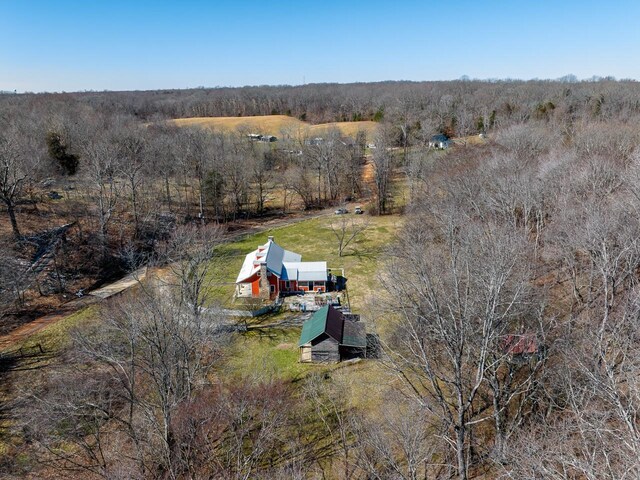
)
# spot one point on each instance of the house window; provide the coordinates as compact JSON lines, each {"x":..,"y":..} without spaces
{"x":303,"y":284}
{"x":287,"y":285}
{"x":272,"y":288}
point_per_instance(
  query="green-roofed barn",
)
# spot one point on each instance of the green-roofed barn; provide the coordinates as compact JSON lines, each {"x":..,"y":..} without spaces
{"x":329,"y":336}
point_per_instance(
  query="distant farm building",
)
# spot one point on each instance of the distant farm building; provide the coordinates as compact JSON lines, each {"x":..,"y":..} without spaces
{"x":262,"y":138}
{"x":439,"y":141}
{"x":314,"y":141}
{"x":331,"y":336}
{"x":523,"y":347}
{"x":270,"y":271}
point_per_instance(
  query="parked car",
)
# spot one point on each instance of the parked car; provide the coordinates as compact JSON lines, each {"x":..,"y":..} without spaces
{"x":358,"y":211}
{"x":341,"y":211}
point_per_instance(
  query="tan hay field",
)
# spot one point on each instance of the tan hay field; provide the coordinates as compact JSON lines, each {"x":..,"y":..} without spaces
{"x":276,"y":125}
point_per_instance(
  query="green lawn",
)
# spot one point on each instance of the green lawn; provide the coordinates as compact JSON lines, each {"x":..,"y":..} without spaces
{"x":271,"y":353}
{"x":315,"y":241}
{"x":274,"y":352}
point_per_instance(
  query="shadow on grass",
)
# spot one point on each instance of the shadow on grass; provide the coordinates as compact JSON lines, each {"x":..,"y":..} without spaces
{"x":21,"y":359}
{"x":267,"y":332}
{"x":24,"y":358}
{"x":369,"y":254}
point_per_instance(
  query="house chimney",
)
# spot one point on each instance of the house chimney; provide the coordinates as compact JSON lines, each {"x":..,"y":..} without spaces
{"x":270,"y":238}
{"x":264,"y":288}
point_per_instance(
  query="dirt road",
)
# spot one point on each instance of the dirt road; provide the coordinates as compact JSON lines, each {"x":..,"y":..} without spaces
{"x":23,"y":332}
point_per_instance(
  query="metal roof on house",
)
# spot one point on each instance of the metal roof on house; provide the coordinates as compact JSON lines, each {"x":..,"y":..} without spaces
{"x":441,"y":137}
{"x":304,"y":271}
{"x":271,"y":254}
{"x":315,"y":326}
{"x":330,"y":321}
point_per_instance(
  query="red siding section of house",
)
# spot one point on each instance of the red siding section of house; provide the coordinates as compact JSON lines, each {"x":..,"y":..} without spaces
{"x":273,"y":280}
{"x":255,"y":285}
{"x":293,"y":286}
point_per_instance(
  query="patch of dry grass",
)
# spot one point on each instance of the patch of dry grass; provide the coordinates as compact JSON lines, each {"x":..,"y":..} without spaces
{"x":276,"y":125}
{"x":470,"y":140}
{"x":265,"y":124}
{"x":348,"y":129}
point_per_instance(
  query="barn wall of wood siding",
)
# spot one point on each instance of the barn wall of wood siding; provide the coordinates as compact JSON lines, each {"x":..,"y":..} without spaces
{"x":325,"y":349}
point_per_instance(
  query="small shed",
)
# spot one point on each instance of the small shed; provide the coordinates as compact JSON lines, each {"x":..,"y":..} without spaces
{"x":329,"y":336}
{"x":439,"y":141}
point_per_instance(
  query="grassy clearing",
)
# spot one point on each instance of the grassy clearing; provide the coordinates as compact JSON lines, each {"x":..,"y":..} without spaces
{"x":470,"y":140}
{"x":265,"y":124}
{"x":276,"y":125}
{"x":368,"y":383}
{"x":274,"y":353}
{"x":266,"y":355}
{"x":315,"y":241}
{"x":55,"y":337}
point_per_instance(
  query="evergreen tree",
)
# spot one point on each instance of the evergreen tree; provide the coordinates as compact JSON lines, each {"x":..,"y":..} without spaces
{"x":68,"y":162}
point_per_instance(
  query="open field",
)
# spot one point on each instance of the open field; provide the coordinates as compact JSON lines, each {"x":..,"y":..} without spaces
{"x":470,"y":140}
{"x":349,"y":129}
{"x":266,"y":124}
{"x":276,"y":125}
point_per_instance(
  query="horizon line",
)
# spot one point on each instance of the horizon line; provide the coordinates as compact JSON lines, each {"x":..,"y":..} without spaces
{"x":569,"y":78}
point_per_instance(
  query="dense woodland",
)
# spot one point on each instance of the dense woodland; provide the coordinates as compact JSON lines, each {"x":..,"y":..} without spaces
{"x":508,"y":312}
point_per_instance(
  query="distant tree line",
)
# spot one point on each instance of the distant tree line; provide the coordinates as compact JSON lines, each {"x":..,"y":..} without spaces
{"x":458,"y":107}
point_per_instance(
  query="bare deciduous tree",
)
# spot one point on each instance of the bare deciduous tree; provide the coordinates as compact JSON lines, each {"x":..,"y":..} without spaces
{"x":18,"y":166}
{"x":382,"y":170}
{"x":132,"y":145}
{"x":454,"y":307}
{"x":401,"y":444}
{"x":101,"y":166}
{"x":193,"y":259}
{"x":347,"y":230}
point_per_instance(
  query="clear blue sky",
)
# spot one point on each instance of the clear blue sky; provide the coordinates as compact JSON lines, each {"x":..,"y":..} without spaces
{"x":67,"y":45}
